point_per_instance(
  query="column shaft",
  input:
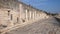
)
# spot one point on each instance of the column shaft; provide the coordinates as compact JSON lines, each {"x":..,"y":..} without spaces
{"x":33,"y":15}
{"x":30,"y":14}
{"x":26,"y":15}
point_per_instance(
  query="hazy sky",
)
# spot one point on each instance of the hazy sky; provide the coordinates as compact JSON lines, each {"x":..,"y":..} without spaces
{"x":47,"y":5}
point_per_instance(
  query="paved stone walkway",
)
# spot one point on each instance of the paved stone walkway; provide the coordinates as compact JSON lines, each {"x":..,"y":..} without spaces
{"x":47,"y":26}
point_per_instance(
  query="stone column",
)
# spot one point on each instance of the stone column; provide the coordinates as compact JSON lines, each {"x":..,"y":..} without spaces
{"x":21,"y":9}
{"x":30,"y":14}
{"x":33,"y":16}
{"x":26,"y":15}
{"x":38,"y":15}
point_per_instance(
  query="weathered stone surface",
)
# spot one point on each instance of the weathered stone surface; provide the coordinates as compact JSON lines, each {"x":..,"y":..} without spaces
{"x":45,"y":26}
{"x":13,"y":13}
